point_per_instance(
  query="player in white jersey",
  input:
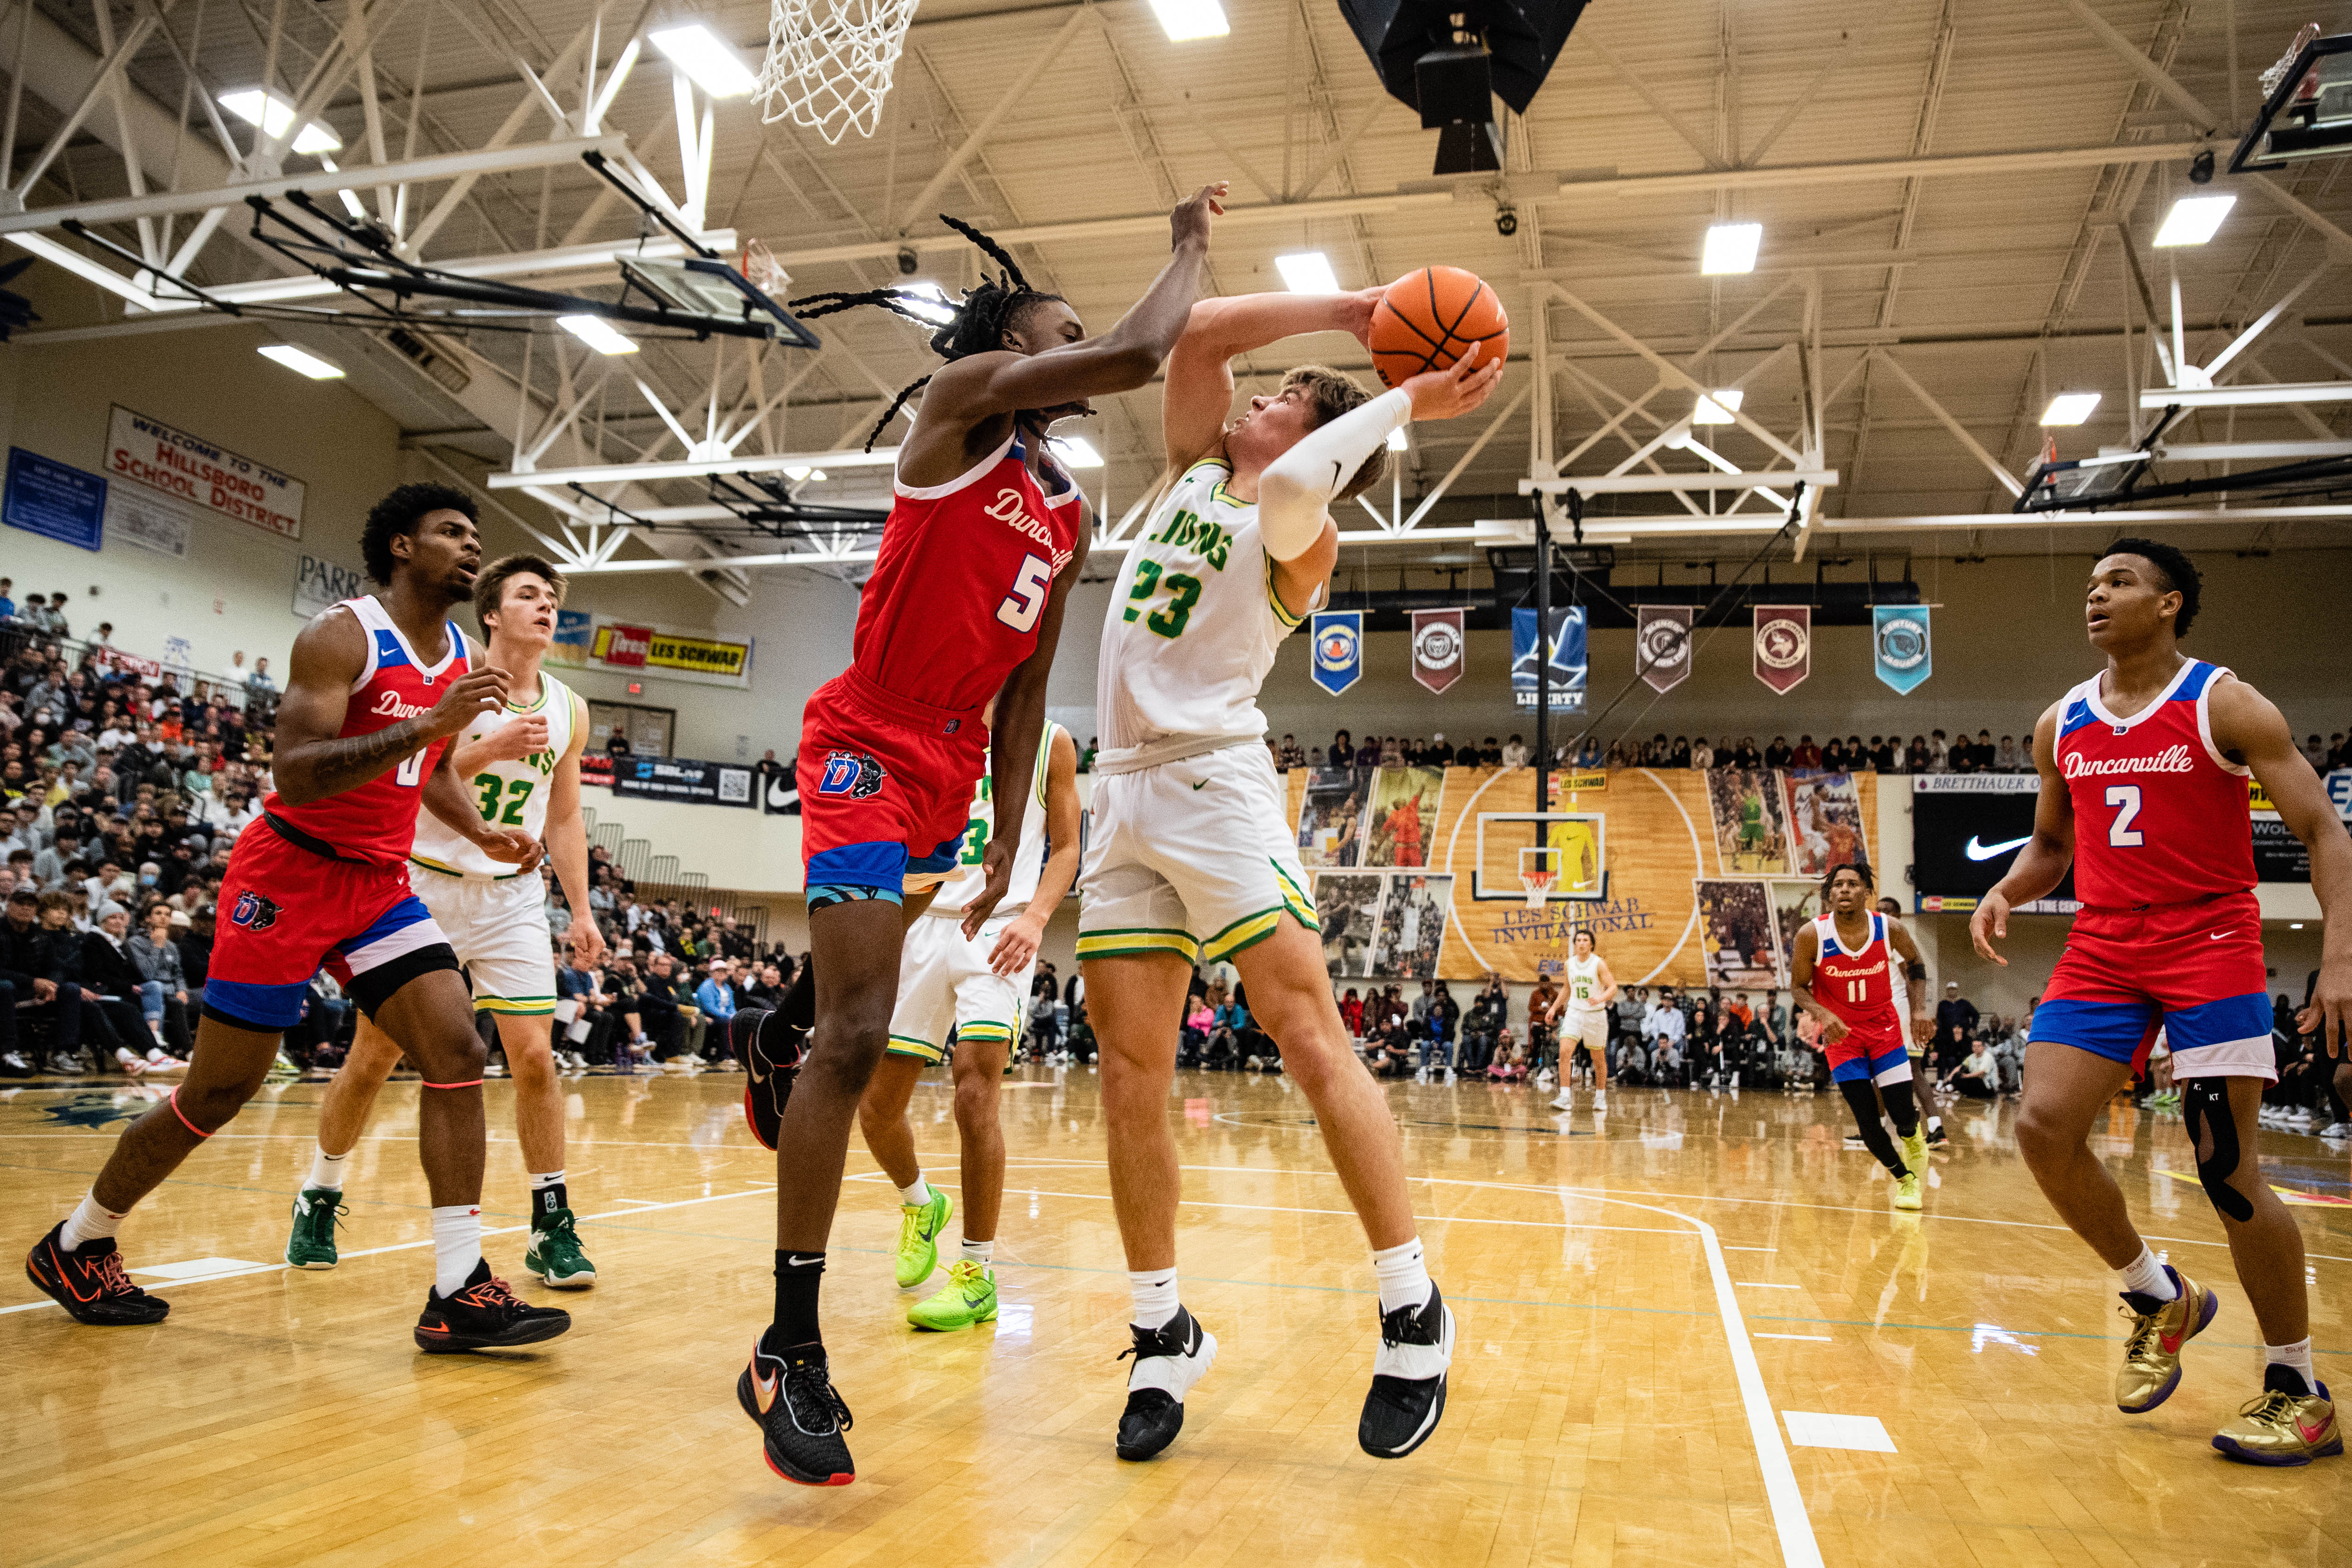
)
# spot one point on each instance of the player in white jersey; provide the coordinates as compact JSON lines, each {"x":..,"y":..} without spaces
{"x":1590,"y":989}
{"x":1190,"y":857}
{"x":976,"y":986}
{"x":522,"y":767}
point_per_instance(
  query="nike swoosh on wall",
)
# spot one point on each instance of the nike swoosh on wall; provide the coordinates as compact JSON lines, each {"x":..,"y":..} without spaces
{"x":1978,"y":849}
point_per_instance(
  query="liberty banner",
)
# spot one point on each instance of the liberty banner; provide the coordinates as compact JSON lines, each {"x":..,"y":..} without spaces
{"x":1437,"y":647}
{"x":1662,"y":645}
{"x":1784,"y":646}
{"x":1900,"y":646}
{"x":1338,"y":639}
{"x":1566,"y":673}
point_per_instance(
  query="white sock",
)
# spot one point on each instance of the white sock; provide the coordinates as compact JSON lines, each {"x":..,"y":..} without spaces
{"x":327,"y":1170}
{"x":2297,"y":1355}
{"x":545,"y":1179}
{"x":2145,"y":1276}
{"x":917,"y":1193}
{"x":89,"y":1221}
{"x":1403,"y":1274}
{"x":1155,"y":1297}
{"x":457,"y":1247}
{"x":984,"y":1253}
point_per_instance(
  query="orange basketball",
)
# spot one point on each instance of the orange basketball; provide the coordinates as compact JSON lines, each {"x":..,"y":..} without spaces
{"x":1429,"y":318}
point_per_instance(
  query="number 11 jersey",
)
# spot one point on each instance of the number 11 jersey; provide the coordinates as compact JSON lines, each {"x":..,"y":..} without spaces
{"x":2161,"y":816}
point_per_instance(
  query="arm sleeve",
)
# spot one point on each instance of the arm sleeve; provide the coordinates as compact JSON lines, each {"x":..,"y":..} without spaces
{"x":1298,"y":486}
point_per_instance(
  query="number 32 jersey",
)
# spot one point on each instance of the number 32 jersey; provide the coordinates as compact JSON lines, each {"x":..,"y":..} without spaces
{"x":509,"y":793}
{"x":2161,"y":816}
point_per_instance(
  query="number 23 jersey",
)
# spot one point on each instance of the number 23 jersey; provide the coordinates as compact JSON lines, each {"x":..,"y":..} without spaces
{"x":2161,"y":816}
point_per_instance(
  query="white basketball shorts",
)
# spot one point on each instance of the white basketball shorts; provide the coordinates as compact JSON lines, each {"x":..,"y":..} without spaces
{"x":499,"y":932}
{"x":944,"y":982}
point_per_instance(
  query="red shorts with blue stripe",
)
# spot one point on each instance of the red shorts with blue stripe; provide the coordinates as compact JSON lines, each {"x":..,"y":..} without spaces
{"x":1875,"y":1054}
{"x":2195,"y":969}
{"x":288,"y":911}
{"x":886,"y":790}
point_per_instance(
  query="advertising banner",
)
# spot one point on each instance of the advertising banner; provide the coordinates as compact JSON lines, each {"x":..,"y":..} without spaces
{"x":150,"y":521}
{"x":1567,"y":667}
{"x":574,"y":629}
{"x":1338,"y":639}
{"x":1662,"y":645}
{"x":1900,"y":646}
{"x":1784,"y":646}
{"x":150,"y":453}
{"x":683,"y":778}
{"x":54,"y":500}
{"x":1437,"y":647}
{"x":672,"y":655}
{"x":321,"y":584}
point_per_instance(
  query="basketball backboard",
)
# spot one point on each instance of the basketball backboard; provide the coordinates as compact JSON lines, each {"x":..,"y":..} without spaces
{"x":2309,"y":113}
{"x":1511,"y":846}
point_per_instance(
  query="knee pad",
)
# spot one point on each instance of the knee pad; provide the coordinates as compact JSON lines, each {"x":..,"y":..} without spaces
{"x":2205,"y":1104}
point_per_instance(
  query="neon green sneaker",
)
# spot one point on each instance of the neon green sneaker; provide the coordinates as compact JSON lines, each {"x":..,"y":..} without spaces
{"x":1914,"y":1150}
{"x":555,"y":1255}
{"x":970,"y":1298}
{"x":312,"y":1243}
{"x":1906,"y":1190}
{"x":919,"y":1237}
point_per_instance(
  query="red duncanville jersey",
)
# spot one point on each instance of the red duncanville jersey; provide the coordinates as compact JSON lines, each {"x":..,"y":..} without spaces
{"x":962,"y":578}
{"x":376,"y":821}
{"x":2161,"y":816}
{"x":1860,"y":986}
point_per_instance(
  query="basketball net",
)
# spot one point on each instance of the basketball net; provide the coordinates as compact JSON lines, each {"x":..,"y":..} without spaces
{"x":1539,"y":886}
{"x":761,"y":269}
{"x":829,"y":62}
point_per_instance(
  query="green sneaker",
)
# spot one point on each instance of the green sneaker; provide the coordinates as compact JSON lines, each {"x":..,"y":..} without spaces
{"x":555,"y":1255}
{"x":312,"y":1243}
{"x":919,"y":1237}
{"x":970,"y":1298}
{"x":282,"y":1070}
{"x":1915,"y":1151}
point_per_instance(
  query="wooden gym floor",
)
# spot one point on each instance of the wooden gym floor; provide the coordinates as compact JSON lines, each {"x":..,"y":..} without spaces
{"x":1657,"y":1312}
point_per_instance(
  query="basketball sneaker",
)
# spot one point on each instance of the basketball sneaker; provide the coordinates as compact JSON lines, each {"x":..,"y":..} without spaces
{"x":919,"y":1237}
{"x":2151,"y":1368}
{"x":1936,"y":1138}
{"x":801,"y":1415}
{"x":1169,"y":1361}
{"x":555,"y":1253}
{"x":2289,"y":1423}
{"x":970,"y":1299}
{"x":312,"y":1244}
{"x":1409,"y":1373}
{"x":485,"y":1315}
{"x":1906,"y":1190}
{"x":1914,"y":1150}
{"x":89,"y":1283}
{"x":771,"y":1058}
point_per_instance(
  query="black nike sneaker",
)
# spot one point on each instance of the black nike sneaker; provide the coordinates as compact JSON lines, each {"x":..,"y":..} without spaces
{"x":771,"y":1051}
{"x":88,"y":1282}
{"x":1409,"y":1373}
{"x":1169,"y":1361}
{"x":801,"y":1415}
{"x":485,"y":1316}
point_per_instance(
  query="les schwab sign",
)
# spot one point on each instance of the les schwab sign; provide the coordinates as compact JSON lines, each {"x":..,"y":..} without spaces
{"x":149,"y":452}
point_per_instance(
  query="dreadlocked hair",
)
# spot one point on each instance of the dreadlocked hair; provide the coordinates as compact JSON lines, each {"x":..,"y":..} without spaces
{"x":978,"y":325}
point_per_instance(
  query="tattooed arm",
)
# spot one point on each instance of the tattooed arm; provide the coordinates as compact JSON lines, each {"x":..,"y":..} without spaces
{"x":314,"y":760}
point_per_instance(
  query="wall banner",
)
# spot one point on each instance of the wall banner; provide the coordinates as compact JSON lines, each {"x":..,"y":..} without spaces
{"x":641,"y":649}
{"x":320,"y":586}
{"x":54,"y":500}
{"x":1662,"y":645}
{"x":1437,"y":647}
{"x":1900,"y":646}
{"x":150,"y":453}
{"x":1567,"y":666}
{"x":1784,"y":646}
{"x":682,"y":778}
{"x":1338,"y":641}
{"x":140,"y":516}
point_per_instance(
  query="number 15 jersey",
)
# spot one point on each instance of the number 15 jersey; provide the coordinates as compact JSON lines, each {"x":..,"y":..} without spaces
{"x":2161,"y":816}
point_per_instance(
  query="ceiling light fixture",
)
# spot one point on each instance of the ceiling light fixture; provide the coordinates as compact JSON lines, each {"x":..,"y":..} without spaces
{"x":1307,"y":272}
{"x":273,"y":114}
{"x":709,"y":62}
{"x":934,"y":306}
{"x":2193,"y":220}
{"x":1184,"y":20}
{"x":598,"y":333}
{"x":1718,"y":407}
{"x":2069,"y":408}
{"x":302,"y":361}
{"x":1731,"y":247}
{"x":1076,"y":451}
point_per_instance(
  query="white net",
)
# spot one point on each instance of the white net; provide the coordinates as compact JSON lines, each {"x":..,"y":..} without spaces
{"x":829,"y":62}
{"x":766,"y":274}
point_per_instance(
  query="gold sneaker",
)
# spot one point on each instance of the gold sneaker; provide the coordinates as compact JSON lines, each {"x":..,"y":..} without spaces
{"x":2287,"y":1426}
{"x":2151,"y":1368}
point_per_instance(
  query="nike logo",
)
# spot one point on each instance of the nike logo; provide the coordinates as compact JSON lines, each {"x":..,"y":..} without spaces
{"x":1979,"y":850}
{"x":2172,"y":1343}
{"x":2215,"y":935}
{"x":2313,"y":1434}
{"x":792,"y":1262}
{"x":1197,"y":785}
{"x":764,"y":1391}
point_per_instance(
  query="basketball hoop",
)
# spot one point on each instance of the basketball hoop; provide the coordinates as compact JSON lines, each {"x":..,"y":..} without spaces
{"x":1538,"y":885}
{"x":760,"y":267}
{"x":829,"y":62}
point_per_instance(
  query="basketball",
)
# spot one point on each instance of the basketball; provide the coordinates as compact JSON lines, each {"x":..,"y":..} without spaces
{"x":1429,"y":318}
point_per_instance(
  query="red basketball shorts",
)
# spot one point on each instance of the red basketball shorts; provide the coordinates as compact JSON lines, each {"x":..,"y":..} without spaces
{"x":2194,"y":970}
{"x":886,"y":791}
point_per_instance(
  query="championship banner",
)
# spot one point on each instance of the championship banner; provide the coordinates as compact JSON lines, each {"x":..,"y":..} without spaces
{"x":1568,"y":670}
{"x":1437,"y":647}
{"x":1900,"y":646}
{"x":1784,"y":646}
{"x":1662,"y":645}
{"x":1338,"y":640}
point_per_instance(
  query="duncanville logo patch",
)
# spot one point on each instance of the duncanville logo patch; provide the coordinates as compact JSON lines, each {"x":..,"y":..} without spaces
{"x":253,"y":911}
{"x":853,"y":773}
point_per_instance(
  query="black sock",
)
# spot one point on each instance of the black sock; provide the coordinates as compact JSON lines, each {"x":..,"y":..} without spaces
{"x":1902,"y":1105}
{"x":545,"y":1201}
{"x":799,"y":1009}
{"x":1862,"y":1096}
{"x":798,"y":1275}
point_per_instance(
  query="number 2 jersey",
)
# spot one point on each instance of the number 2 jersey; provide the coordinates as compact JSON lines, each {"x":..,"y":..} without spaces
{"x":2161,"y":816}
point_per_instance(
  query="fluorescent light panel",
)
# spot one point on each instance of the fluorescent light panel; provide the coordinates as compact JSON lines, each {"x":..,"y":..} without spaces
{"x":2069,"y":408}
{"x":1307,"y":272}
{"x":273,"y":114}
{"x":2193,"y":220}
{"x":1731,"y":247}
{"x":1718,"y":407}
{"x":1184,"y":20}
{"x":708,"y":60}
{"x":301,"y":362}
{"x":598,"y":333}
{"x":1076,"y":451}
{"x":934,"y":305}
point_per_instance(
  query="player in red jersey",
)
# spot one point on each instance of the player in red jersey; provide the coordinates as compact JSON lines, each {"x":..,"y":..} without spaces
{"x":965,"y":604}
{"x":377,"y":686}
{"x":2144,"y":790}
{"x":1843,"y":974}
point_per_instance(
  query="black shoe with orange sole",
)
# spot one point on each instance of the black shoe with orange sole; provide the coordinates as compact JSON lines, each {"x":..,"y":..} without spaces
{"x":771,"y":1051}
{"x":89,"y":1283}
{"x":484,"y":1316}
{"x":801,"y":1416}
